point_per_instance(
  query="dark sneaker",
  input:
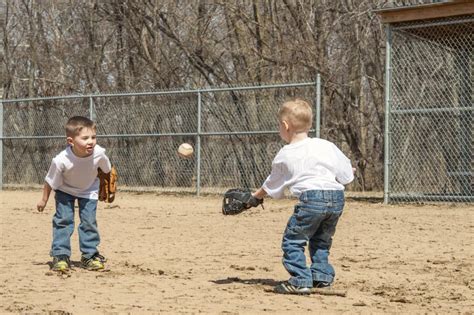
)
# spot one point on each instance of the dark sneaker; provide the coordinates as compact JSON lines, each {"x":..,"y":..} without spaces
{"x":61,"y":263}
{"x":96,"y":262}
{"x":287,"y":288}
{"x":321,"y":284}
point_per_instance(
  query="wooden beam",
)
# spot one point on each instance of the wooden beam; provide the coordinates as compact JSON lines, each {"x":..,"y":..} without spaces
{"x":430,"y":11}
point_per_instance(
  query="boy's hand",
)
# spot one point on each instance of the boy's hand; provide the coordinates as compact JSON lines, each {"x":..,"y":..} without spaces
{"x":41,"y":205}
{"x":44,"y":200}
{"x":254,"y":201}
{"x":238,"y":200}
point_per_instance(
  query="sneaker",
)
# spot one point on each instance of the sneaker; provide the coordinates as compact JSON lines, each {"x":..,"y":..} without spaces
{"x":100,"y":257}
{"x":96,"y":262}
{"x":61,"y":263}
{"x":321,"y":284}
{"x":287,"y":288}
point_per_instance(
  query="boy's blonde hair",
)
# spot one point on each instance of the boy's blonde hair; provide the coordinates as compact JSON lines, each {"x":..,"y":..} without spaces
{"x":75,"y":124}
{"x":298,"y":114}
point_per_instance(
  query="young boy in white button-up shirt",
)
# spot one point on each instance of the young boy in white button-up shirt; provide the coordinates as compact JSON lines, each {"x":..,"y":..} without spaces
{"x":73,"y":175}
{"x":315,"y":171}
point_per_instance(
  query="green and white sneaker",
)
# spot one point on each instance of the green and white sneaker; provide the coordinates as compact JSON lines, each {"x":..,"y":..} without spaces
{"x":96,"y":262}
{"x":61,"y":263}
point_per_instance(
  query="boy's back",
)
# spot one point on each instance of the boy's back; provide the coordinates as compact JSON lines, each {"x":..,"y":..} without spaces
{"x":309,"y":164}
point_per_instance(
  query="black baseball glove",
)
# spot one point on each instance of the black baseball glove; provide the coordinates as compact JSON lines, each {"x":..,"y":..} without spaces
{"x":238,"y":200}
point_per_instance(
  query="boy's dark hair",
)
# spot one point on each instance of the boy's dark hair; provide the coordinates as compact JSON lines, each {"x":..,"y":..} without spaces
{"x":75,"y":124}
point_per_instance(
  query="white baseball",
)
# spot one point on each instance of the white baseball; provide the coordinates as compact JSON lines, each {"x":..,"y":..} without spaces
{"x":185,"y":150}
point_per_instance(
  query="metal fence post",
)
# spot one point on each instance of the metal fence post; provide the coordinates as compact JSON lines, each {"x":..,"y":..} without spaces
{"x":92,"y":115}
{"x":198,"y":147}
{"x":318,"y":106}
{"x":463,"y":63}
{"x":388,"y":68}
{"x":1,"y":142}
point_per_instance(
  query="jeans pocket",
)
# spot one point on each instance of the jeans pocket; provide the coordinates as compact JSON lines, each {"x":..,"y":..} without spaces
{"x":306,"y":219}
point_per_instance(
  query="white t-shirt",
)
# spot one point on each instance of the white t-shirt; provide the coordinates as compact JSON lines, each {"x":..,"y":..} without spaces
{"x":75,"y":175}
{"x":309,"y":164}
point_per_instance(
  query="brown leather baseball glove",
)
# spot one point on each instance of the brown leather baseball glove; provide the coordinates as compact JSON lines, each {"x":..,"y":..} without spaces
{"x":108,"y":185}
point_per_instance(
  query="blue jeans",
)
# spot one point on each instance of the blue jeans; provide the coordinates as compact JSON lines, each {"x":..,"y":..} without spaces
{"x":314,"y":221}
{"x":63,"y":225}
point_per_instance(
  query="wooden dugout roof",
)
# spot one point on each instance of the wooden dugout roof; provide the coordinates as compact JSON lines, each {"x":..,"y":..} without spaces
{"x":427,"y":11}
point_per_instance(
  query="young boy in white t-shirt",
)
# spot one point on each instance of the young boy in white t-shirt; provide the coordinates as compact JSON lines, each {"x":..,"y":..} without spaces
{"x":315,"y":171}
{"x":73,"y":175}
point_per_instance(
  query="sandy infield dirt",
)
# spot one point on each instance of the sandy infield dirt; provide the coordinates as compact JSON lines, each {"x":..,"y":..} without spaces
{"x":179,"y":254}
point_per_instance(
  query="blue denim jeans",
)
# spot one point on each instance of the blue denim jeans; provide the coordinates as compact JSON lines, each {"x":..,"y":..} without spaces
{"x":313,"y":223}
{"x":63,"y":225}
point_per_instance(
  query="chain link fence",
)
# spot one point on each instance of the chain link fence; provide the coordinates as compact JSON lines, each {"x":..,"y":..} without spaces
{"x":431,"y":110}
{"x":234,"y":132}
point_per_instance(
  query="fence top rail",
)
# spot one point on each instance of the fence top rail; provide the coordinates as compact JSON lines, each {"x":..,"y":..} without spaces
{"x":141,"y":135}
{"x":430,"y":110}
{"x":151,"y":93}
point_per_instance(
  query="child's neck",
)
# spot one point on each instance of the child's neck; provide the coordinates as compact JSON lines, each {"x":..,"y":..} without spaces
{"x":297,"y":137}
{"x":78,"y":154}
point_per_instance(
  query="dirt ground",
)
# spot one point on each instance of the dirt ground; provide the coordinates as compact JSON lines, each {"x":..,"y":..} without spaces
{"x":179,"y":254}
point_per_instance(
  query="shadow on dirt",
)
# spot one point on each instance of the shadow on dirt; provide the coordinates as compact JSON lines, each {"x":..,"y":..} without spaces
{"x":229,"y":280}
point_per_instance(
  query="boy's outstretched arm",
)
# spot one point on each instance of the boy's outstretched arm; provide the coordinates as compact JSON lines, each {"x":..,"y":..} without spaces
{"x":44,"y":200}
{"x":260,"y":193}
